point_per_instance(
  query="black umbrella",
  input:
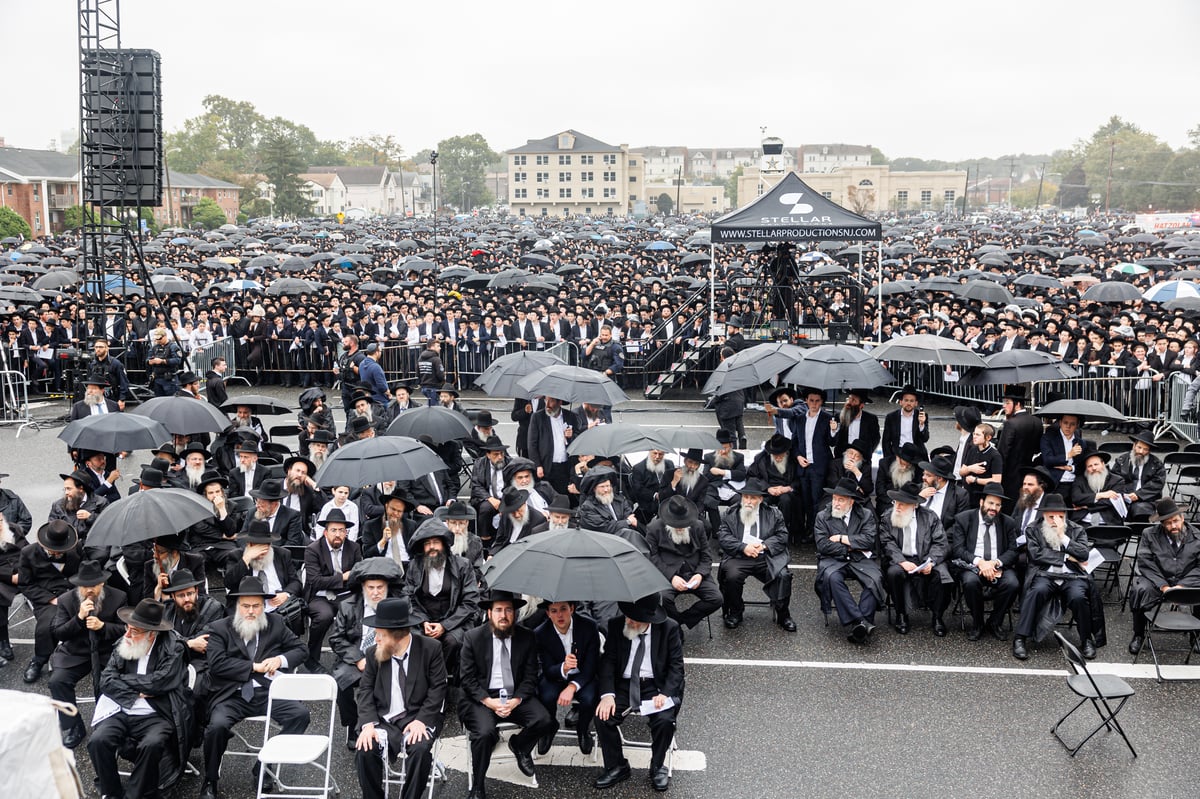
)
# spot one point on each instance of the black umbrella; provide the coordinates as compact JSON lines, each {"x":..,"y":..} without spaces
{"x":1020,"y":366}
{"x":439,"y":423}
{"x":575,"y":564}
{"x":834,"y":366}
{"x":148,"y":514}
{"x":371,"y":286}
{"x":457,"y":272}
{"x":378,"y":460}
{"x":476,"y":281}
{"x":572,"y":384}
{"x":616,"y":439}
{"x":258,"y":403}
{"x":689,"y":438}
{"x":1038,"y":280}
{"x":168,"y":284}
{"x":115,"y":432}
{"x":501,"y":376}
{"x":985,"y":291}
{"x":533,"y":259}
{"x":924,"y":348}
{"x":183,"y":416}
{"x":1114,"y":291}
{"x":509,"y":278}
{"x":752,"y":366}
{"x":1087,"y":410}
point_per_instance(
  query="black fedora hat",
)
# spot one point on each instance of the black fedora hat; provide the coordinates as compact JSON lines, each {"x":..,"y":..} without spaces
{"x":561,"y":504}
{"x":496,"y":595}
{"x":194,"y":447}
{"x":212,"y":476}
{"x":174,"y":542}
{"x":678,"y":511}
{"x":774,"y":396}
{"x":1040,"y":472}
{"x":459,"y":511}
{"x":357,"y":425}
{"x":967,"y":416}
{"x":251,"y":586}
{"x":494,"y":444}
{"x":168,"y":449}
{"x":860,"y":446}
{"x":1096,"y":453}
{"x":517,"y":465}
{"x":322,"y":436}
{"x":187,"y":378}
{"x":864,"y":394}
{"x":1164,"y":509}
{"x":909,"y":494}
{"x":484,"y":419}
{"x":335,"y":516}
{"x":512,"y":499}
{"x":393,"y":613}
{"x":1053,"y":503}
{"x":724,"y":437}
{"x":448,"y":388}
{"x":57,"y":535}
{"x":90,"y":573}
{"x":778,"y":444}
{"x":96,"y":380}
{"x":994,"y":490}
{"x":909,"y":389}
{"x":754,"y":488}
{"x":694,"y":454}
{"x":1016,"y":392}
{"x":148,"y":615}
{"x":246,"y":446}
{"x":1145,"y":437}
{"x":596,"y":476}
{"x":181,"y":579}
{"x":846,"y":487}
{"x":939,"y":467}
{"x":152,"y":478}
{"x":270,"y":490}
{"x":910,"y":453}
{"x":648,"y":609}
{"x":287,"y":464}
{"x":258,"y":532}
{"x":397,"y":493}
{"x":82,"y":479}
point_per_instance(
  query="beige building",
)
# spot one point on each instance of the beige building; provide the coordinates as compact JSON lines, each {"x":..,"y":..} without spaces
{"x":833,"y":157}
{"x":687,"y":199}
{"x":870,"y":189}
{"x":570,"y":174}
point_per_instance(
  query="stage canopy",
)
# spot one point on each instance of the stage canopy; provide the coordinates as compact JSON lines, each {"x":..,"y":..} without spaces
{"x":793,"y":212}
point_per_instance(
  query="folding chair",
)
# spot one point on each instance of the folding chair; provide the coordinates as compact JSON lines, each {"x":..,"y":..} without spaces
{"x":286,"y":431}
{"x":648,"y":745}
{"x":1176,"y":618}
{"x":1111,"y":541}
{"x":281,"y":451}
{"x":396,"y":779}
{"x":499,"y":755}
{"x":1174,"y":463}
{"x":1099,"y":689}
{"x":280,"y":750}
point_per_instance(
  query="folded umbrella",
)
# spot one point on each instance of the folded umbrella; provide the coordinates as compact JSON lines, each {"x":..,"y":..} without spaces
{"x":115,"y":432}
{"x":148,"y":514}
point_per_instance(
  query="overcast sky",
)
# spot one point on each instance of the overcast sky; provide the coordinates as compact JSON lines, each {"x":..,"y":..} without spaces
{"x":925,"y":78}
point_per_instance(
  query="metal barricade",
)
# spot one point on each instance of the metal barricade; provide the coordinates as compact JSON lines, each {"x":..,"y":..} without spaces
{"x":202,"y":358}
{"x":939,"y":381}
{"x":1140,"y":399}
{"x":567,"y":350}
{"x":14,"y":400}
{"x":1177,"y":386}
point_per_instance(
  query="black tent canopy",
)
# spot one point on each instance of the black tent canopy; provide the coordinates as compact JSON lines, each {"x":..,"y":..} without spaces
{"x":794,"y":212}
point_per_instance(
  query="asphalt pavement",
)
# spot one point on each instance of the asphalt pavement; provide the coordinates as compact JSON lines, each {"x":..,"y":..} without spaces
{"x":772,"y":714}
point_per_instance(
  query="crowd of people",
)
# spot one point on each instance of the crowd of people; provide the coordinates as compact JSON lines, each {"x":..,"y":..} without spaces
{"x":393,"y":573}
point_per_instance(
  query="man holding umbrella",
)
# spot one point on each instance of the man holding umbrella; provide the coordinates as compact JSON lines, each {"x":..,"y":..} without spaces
{"x":94,"y":403}
{"x":642,"y":672}
{"x":1020,"y":440}
{"x":753,"y":541}
{"x":550,"y":432}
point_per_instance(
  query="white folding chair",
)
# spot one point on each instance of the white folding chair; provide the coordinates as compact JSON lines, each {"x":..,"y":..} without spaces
{"x":280,"y":750}
{"x":649,"y":746}
{"x":393,"y":778}
{"x":500,"y":754}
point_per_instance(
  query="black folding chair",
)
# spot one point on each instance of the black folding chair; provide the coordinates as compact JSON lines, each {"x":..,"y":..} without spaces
{"x":1099,"y":689}
{"x":1173,"y":615}
{"x":1110,"y":540}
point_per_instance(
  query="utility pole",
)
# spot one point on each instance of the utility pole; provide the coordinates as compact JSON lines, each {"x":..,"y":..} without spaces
{"x":678,"y":187}
{"x":1112,"y":149}
{"x":1012,"y":163}
{"x":1041,"y":180}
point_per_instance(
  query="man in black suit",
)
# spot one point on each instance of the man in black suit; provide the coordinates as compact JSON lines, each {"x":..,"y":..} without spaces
{"x":487,"y":485}
{"x":649,"y":483}
{"x":642,"y":671}
{"x":679,"y":547}
{"x":261,"y":557}
{"x":327,"y":565}
{"x":812,"y":447}
{"x":499,"y":677}
{"x":915,"y":546}
{"x":856,"y":423}
{"x":142,"y":702}
{"x":86,"y":620}
{"x":568,"y":646}
{"x":517,"y":519}
{"x":1144,"y":476}
{"x":550,"y":433}
{"x":1061,"y":445}
{"x":302,"y":496}
{"x":111,"y":369}
{"x":983,"y":556}
{"x":401,"y":693}
{"x":245,"y":651}
{"x":190,"y":612}
{"x":247,"y":475}
{"x":753,"y":543}
{"x":169,"y":554}
{"x":94,"y":403}
{"x":1020,"y":439}
{"x":44,"y":570}
{"x":442,"y":588}
{"x":214,"y":383}
{"x":907,"y":424}
{"x":282,"y":521}
{"x":940,"y":493}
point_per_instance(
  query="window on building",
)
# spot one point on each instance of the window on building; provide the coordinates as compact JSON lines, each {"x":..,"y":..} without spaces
{"x":828,"y":195}
{"x":36,"y":193}
{"x":543,"y":160}
{"x":610,"y":177}
{"x":564,"y":194}
{"x":587,"y":177}
{"x":587,"y":193}
{"x":520,"y":177}
{"x":564,"y":160}
{"x":926,"y":198}
{"x":948,"y":196}
{"x":543,"y":177}
{"x":587,"y":160}
{"x":519,"y":160}
{"x":902,"y":199}
{"x":520,"y":194}
{"x":610,"y":158}
{"x":37,"y":220}
{"x":633,"y":162}
{"x":633,"y":178}
{"x":564,"y":177}
{"x":587,"y":210}
{"x":543,"y":194}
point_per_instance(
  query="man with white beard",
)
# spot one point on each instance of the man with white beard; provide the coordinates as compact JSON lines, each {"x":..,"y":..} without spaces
{"x":773,"y":467}
{"x":559,"y":516}
{"x":141,"y":702}
{"x":1058,"y":549}
{"x":649,"y":483}
{"x":517,"y":519}
{"x":519,"y":474}
{"x":195,"y":461}
{"x":1143,"y":474}
{"x":10,"y":559}
{"x":679,"y":548}
{"x":915,"y":544}
{"x":845,"y":538}
{"x":602,"y":508}
{"x":853,"y":464}
{"x":245,"y":652}
{"x":753,"y":542}
{"x":1099,"y":497}
{"x":261,"y":557}
{"x":371,"y":581}
{"x":94,"y":403}
{"x":725,"y":469}
{"x":318,"y":447}
{"x":901,"y":471}
{"x":246,"y":475}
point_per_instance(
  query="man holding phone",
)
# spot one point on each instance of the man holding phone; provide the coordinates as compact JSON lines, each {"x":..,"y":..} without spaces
{"x":569,"y":650}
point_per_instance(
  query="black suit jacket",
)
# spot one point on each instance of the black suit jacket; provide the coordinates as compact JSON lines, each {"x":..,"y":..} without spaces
{"x":541,"y":438}
{"x":586,"y":637}
{"x":868,"y":431}
{"x":1020,"y":440}
{"x":891,"y":436}
{"x":666,"y":658}
{"x":81,"y":410}
{"x":475,"y":668}
{"x":288,"y":526}
{"x":39,"y":579}
{"x":424,"y":688}
{"x":229,"y":662}
{"x":964,"y":535}
{"x":73,"y":636}
{"x":319,"y":574}
{"x":237,"y":480}
{"x":285,"y":570}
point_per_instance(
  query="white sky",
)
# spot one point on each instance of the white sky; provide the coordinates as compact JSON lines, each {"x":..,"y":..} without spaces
{"x":926,"y":78}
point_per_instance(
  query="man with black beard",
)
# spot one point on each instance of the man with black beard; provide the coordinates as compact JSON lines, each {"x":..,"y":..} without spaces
{"x":915,"y":544}
{"x":327,"y":564}
{"x":753,"y":542}
{"x":1168,"y":557}
{"x":1099,"y":496}
{"x":169,"y":554}
{"x":649,"y":483}
{"x":10,"y":560}
{"x":984,"y":555}
{"x":245,"y":651}
{"x":856,"y":423}
{"x":442,"y":588}
{"x":43,"y":572}
{"x":901,"y":471}
{"x":680,"y":549}
{"x":79,"y":506}
{"x":303,"y":496}
{"x":1143,"y":474}
{"x":499,"y":677}
{"x":141,"y":702}
{"x":85,"y":620}
{"x":190,"y":613}
{"x":1058,"y":548}
{"x":401,"y":695}
{"x":940,"y":493}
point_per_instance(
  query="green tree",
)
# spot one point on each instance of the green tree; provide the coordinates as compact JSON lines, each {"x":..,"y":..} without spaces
{"x":281,"y":160}
{"x":1120,"y":162}
{"x":877,"y":156}
{"x":239,"y":125}
{"x":11,"y":224}
{"x":731,"y":187}
{"x":462,"y":170}
{"x":1073,"y":191}
{"x":1179,"y":186}
{"x":664,"y":203}
{"x":207,"y":214}
{"x":375,"y":150}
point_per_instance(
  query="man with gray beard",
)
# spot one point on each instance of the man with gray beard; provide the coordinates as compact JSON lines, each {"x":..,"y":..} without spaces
{"x":679,"y":548}
{"x":753,"y":541}
{"x":142,"y":703}
{"x":1058,"y":548}
{"x":10,"y":559}
{"x":245,"y":651}
{"x":778,"y":471}
{"x":901,"y":471}
{"x":195,"y":461}
{"x":261,"y":557}
{"x":915,"y":544}
{"x":1099,"y":497}
{"x":603,"y":508}
{"x":854,"y":463}
{"x":1143,"y":474}
{"x":649,"y":483}
{"x":559,"y":516}
{"x":845,"y":538}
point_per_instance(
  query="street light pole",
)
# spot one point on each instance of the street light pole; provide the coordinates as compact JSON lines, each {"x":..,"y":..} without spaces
{"x":1112,"y":149}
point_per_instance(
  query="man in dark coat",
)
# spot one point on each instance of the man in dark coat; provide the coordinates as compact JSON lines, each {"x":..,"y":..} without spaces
{"x":856,"y":423}
{"x":568,"y":647}
{"x":845,"y":538}
{"x":14,"y":509}
{"x":983,"y":555}
{"x":1061,"y":445}
{"x":649,"y":483}
{"x":642,"y":671}
{"x":85,"y":624}
{"x":1098,"y":495}
{"x":602,"y":508}
{"x":1143,"y":474}
{"x":778,"y":470}
{"x":44,"y":572}
{"x":1020,"y":439}
{"x":680,"y":549}
{"x":169,"y":553}
{"x":914,"y":543}
{"x":327,"y":564}
{"x":94,"y":403}
{"x":753,"y":542}
{"x":853,"y":464}
{"x":940,"y":492}
{"x":214,"y":383}
{"x":730,"y":408}
{"x":551,"y":431}
{"x":262,"y":557}
{"x":190,"y":614}
{"x":244,"y":652}
{"x":517,"y":519}
{"x":442,"y":589}
{"x":412,"y":719}
{"x":79,"y":506}
{"x":11,"y":547}
{"x":142,"y":705}
{"x":905,"y":425}
{"x":1168,"y":556}
{"x":499,"y":678}
{"x":279,"y":519}
{"x":488,"y":484}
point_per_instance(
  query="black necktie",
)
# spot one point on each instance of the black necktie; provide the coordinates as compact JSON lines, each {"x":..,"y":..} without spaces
{"x":635,"y":673}
{"x":987,"y":540}
{"x":248,"y":688}
{"x":401,"y":675}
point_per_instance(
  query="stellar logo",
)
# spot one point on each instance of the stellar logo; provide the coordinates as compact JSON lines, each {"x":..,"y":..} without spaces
{"x":793,"y":199}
